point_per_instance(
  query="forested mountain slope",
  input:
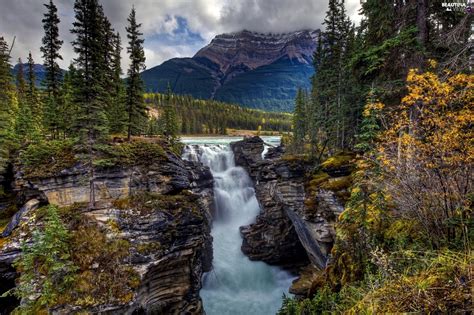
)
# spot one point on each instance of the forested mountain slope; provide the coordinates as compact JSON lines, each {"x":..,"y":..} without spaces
{"x":256,"y":70}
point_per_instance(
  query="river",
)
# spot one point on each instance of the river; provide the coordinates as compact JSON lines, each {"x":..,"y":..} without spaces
{"x":235,"y":285}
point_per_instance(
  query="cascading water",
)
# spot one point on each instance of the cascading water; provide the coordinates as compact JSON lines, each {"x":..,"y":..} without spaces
{"x":236,"y":285}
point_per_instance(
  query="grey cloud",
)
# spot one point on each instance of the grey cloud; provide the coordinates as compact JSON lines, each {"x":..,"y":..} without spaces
{"x":206,"y":17}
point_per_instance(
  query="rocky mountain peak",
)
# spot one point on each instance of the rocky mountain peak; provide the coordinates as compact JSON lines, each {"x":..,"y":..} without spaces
{"x":247,"y":49}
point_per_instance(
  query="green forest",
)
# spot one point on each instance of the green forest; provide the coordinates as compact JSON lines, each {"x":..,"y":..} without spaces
{"x":196,"y":117}
{"x":393,"y":100}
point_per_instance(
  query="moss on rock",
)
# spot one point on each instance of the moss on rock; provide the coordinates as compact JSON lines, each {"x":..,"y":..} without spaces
{"x":46,"y":159}
{"x":337,"y":184}
{"x":339,"y":160}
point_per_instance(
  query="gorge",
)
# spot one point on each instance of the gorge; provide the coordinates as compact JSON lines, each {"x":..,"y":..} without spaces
{"x":235,"y":284}
{"x":163,"y":210}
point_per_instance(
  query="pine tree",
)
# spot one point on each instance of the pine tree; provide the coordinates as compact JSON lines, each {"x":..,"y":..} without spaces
{"x":49,"y":254}
{"x":379,"y":21}
{"x":136,"y":108}
{"x":369,"y":125}
{"x":332,"y":84}
{"x":50,"y":49}
{"x":108,"y":68}
{"x":8,"y":105}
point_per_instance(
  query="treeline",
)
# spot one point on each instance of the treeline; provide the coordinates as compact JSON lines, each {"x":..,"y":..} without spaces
{"x":195,"y":116}
{"x":393,"y":100}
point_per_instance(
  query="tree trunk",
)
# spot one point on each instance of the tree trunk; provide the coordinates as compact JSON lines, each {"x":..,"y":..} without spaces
{"x":422,"y":21}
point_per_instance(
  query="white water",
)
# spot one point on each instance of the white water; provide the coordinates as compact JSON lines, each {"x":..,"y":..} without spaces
{"x":236,"y":285}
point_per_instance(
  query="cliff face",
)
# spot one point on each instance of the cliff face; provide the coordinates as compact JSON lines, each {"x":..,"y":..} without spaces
{"x":296,"y":221}
{"x":272,"y":238}
{"x":250,"y":50}
{"x":163,"y":211}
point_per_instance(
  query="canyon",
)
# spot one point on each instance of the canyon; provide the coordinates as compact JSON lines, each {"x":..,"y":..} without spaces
{"x":169,"y":212}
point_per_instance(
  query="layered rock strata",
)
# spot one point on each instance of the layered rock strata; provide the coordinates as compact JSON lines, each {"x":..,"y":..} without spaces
{"x":170,"y":241}
{"x":287,"y":230}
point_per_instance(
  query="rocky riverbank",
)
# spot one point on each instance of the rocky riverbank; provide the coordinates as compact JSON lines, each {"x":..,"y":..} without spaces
{"x":299,"y":207}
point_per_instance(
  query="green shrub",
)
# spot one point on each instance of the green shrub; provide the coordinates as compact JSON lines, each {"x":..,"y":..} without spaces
{"x":47,"y":158}
{"x":46,"y":267}
{"x":135,"y":153}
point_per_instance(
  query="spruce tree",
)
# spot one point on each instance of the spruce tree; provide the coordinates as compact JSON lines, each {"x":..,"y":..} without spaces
{"x":69,"y":107}
{"x":136,"y":108}
{"x":8,"y":106}
{"x":33,"y":99}
{"x":24,"y":119}
{"x":299,"y":119}
{"x":90,"y":81}
{"x":117,"y":111}
{"x":50,"y":49}
{"x":170,"y":122}
{"x":108,"y":64}
{"x":91,"y":123}
{"x":332,"y":81}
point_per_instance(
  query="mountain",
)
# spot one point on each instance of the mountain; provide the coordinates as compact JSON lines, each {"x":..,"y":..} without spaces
{"x":252,"y":69}
{"x":39,"y":70}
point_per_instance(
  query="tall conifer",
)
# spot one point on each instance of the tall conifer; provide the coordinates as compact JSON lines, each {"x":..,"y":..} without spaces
{"x":117,"y":111}
{"x":7,"y":104}
{"x":24,"y":121}
{"x":33,"y":98}
{"x":90,"y":80}
{"x":50,"y":49}
{"x":170,"y":121}
{"x":136,"y":108}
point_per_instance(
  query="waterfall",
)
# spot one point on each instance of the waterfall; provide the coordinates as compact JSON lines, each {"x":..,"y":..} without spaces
{"x":236,"y":285}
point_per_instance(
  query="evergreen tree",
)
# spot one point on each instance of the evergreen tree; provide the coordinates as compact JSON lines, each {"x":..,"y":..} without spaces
{"x":170,"y":122}
{"x":90,"y":79}
{"x":333,"y":83}
{"x":369,"y":125}
{"x":299,"y":121}
{"x":117,"y":112}
{"x":20,"y":79}
{"x":91,"y":123}
{"x":136,"y":108}
{"x":24,"y":119}
{"x":7,"y":105}
{"x":49,"y":254}
{"x":33,"y":99}
{"x":50,"y":49}
{"x":69,"y":108}
{"x":108,"y":65}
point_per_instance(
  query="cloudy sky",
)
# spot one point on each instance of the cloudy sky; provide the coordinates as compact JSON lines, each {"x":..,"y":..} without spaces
{"x":172,"y":28}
